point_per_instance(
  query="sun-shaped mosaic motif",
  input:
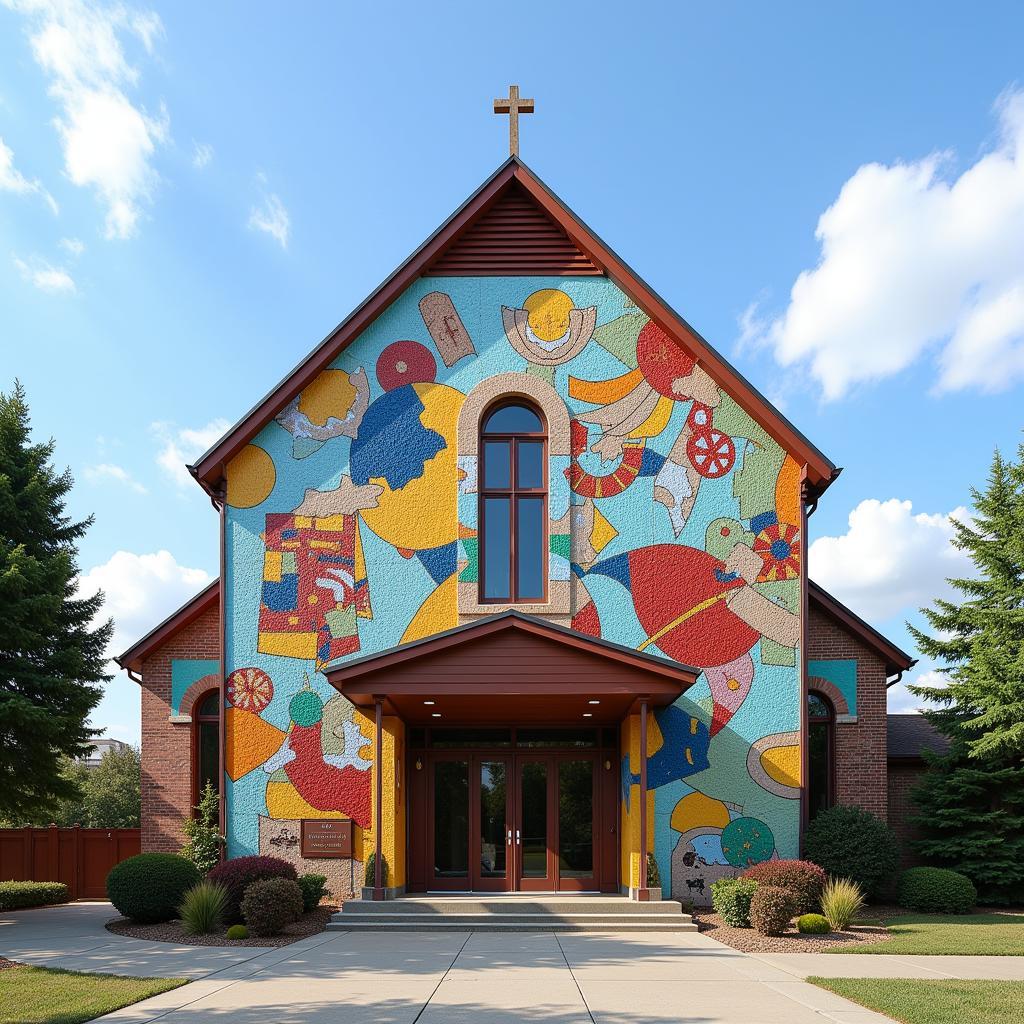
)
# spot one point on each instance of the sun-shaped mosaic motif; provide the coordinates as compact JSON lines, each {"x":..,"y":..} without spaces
{"x":250,"y":689}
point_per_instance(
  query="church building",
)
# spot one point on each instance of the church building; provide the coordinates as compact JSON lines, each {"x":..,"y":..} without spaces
{"x":513,"y":594}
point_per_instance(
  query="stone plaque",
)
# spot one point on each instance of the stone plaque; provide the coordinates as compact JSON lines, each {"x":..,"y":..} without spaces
{"x":327,"y":837}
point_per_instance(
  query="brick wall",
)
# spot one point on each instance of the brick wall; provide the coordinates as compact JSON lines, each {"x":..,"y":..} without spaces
{"x":861,"y":745}
{"x":167,"y":747}
{"x":904,"y":776}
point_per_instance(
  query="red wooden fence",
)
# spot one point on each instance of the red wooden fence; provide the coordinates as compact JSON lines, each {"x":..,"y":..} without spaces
{"x":79,"y":857}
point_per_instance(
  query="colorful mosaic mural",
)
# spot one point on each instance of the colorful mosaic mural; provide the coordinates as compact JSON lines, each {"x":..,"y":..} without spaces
{"x":674,"y":529}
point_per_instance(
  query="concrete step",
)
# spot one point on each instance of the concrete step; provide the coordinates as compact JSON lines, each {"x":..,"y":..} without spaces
{"x":343,"y":922}
{"x":556,"y":906}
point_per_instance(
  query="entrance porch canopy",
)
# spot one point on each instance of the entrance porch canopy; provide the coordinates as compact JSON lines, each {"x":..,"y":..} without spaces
{"x":510,"y":669}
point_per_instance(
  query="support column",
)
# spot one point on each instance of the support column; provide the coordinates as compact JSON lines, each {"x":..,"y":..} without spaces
{"x":642,"y":880}
{"x":378,"y":796}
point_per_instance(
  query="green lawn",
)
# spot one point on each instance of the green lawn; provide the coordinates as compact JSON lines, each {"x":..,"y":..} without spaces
{"x":37,"y":995}
{"x":945,"y":1001}
{"x":991,"y":934}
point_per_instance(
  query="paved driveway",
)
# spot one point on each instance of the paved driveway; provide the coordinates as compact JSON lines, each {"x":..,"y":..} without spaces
{"x":483,"y":978}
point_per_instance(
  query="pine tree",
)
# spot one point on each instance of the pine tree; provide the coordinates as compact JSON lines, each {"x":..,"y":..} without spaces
{"x":972,"y":799}
{"x":51,"y":657}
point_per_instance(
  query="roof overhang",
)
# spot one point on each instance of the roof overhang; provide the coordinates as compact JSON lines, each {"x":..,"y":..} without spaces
{"x":510,"y":668}
{"x":897,"y":661}
{"x":210,"y":469}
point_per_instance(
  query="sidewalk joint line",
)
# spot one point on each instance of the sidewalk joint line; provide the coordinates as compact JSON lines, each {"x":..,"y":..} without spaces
{"x":433,"y":991}
{"x":583,"y":998}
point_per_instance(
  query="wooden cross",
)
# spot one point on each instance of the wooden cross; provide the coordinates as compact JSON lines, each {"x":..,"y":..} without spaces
{"x":513,"y":106}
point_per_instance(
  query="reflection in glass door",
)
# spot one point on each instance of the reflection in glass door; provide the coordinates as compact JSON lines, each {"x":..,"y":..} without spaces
{"x":490,"y":861}
{"x":450,"y":844}
{"x":533,"y":824}
{"x":576,"y":823}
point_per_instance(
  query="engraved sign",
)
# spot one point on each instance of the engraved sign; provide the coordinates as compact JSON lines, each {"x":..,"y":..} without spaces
{"x":326,"y":838}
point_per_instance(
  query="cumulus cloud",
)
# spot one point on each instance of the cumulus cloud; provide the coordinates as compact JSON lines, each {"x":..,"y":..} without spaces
{"x":46,"y":277}
{"x":915,"y":259}
{"x":271,"y":217}
{"x":890,"y":561}
{"x":901,"y":700}
{"x":104,"y":472}
{"x":72,"y":246}
{"x":108,"y":141}
{"x":140,"y":591}
{"x":12,"y":180}
{"x":202,"y":154}
{"x":180,"y":446}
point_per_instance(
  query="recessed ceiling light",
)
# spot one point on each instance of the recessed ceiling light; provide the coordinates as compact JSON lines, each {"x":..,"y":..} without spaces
{"x":428,"y":702}
{"x":436,"y":714}
{"x":587,"y":714}
{"x":593,"y":702}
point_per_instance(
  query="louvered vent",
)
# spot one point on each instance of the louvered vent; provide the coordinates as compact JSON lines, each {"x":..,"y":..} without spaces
{"x":512,"y":237}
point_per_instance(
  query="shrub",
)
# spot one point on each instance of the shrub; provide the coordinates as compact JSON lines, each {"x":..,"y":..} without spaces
{"x":840,"y":901}
{"x":771,"y":909}
{"x":802,"y":878}
{"x":812,"y":924}
{"x":271,"y":903}
{"x":370,"y":861}
{"x":149,"y":887}
{"x":936,"y":891}
{"x":19,"y":895}
{"x":204,"y":838}
{"x":653,"y":874}
{"x":849,"y":842}
{"x":731,"y":899}
{"x":238,"y":931}
{"x":202,"y":909}
{"x":238,"y":874}
{"x":314,"y":889}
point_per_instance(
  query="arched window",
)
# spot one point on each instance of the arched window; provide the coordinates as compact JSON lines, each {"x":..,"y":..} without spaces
{"x":205,"y":743}
{"x":821,"y":735}
{"x":513,"y":513}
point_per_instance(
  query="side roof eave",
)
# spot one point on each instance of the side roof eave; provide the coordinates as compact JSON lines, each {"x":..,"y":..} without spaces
{"x":209,"y":469}
{"x":131,"y":660}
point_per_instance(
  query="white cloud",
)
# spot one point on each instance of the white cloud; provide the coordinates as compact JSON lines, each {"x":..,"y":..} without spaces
{"x":915,"y":259}
{"x":272,"y":217}
{"x":140,"y":592}
{"x":901,"y":700}
{"x":72,"y":246}
{"x":107,"y":471}
{"x":46,"y":277}
{"x":202,"y":154}
{"x":12,"y":180}
{"x":180,"y":446}
{"x":890,"y":561}
{"x":108,"y":141}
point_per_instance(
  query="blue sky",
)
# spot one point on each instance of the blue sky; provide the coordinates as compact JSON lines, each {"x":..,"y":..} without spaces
{"x":191,"y":196}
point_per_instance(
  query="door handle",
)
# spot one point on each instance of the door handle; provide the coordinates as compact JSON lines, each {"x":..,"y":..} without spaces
{"x":510,"y":837}
{"x":517,"y":837}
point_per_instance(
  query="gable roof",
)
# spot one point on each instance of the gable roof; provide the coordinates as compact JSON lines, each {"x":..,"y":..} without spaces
{"x":909,"y":734}
{"x":896,"y":660}
{"x":513,"y":175}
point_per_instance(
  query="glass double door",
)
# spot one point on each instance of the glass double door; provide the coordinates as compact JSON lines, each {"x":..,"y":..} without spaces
{"x":512,"y":822}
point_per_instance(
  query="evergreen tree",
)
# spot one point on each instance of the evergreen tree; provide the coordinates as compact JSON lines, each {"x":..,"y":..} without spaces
{"x":972,"y":800}
{"x":51,"y":657}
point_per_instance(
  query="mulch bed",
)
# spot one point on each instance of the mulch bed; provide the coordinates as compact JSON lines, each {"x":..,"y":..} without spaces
{"x":791,"y":941}
{"x":171,"y":931}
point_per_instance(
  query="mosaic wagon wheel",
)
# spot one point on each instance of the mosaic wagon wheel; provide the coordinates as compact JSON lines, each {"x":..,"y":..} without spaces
{"x":711,"y":453}
{"x":250,"y":689}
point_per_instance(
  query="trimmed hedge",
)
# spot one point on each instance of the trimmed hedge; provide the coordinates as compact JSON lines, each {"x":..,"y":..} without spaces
{"x":802,"y":878}
{"x":238,"y":874}
{"x":149,"y":887}
{"x":314,"y":889}
{"x":271,"y":903}
{"x":731,"y":899}
{"x":850,"y":842}
{"x":238,"y":931}
{"x":771,"y":909}
{"x":936,"y":891}
{"x":21,"y":895}
{"x":812,"y":924}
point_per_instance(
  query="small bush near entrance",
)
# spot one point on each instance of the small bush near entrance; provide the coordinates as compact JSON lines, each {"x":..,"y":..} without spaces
{"x":370,"y":870}
{"x":149,"y":887}
{"x":937,"y":891}
{"x":840,"y":902}
{"x":271,"y":903}
{"x":771,"y":909}
{"x":802,"y":878}
{"x":20,"y":895}
{"x":731,"y":899}
{"x":202,"y":909}
{"x":238,"y":931}
{"x":238,"y":874}
{"x":314,"y":889}
{"x":812,"y":924}
{"x":849,"y":842}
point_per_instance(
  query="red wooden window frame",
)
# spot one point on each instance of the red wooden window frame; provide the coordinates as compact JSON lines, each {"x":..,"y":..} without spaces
{"x":198,"y":721}
{"x":828,"y":721}
{"x":513,"y":492}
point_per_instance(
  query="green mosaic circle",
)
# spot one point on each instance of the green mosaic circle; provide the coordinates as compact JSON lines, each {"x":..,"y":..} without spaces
{"x":306,"y":708}
{"x":747,"y":841}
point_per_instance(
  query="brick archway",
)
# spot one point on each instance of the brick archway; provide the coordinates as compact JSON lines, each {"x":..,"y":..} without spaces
{"x":194,"y":692}
{"x":830,"y":690}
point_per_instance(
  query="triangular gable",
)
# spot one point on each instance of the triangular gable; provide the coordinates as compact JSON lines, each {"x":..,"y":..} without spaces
{"x":505,"y":190}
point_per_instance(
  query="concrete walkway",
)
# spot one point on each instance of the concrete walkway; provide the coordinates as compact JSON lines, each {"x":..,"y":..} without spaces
{"x":484,"y":978}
